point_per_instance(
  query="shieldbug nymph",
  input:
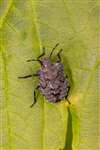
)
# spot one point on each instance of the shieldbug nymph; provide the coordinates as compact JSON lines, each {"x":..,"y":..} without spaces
{"x":53,"y":83}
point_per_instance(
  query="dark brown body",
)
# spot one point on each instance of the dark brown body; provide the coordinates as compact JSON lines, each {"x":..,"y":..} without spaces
{"x":53,"y":83}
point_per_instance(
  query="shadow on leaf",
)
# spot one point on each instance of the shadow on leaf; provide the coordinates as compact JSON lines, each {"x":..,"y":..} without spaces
{"x":69,"y":136}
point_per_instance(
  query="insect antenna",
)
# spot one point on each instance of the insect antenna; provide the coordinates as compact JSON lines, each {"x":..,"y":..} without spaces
{"x":53,"y":50}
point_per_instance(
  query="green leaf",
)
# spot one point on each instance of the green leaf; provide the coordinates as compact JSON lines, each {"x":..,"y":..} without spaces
{"x":25,"y":27}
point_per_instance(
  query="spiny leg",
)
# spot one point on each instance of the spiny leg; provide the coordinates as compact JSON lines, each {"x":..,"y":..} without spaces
{"x":38,"y":58}
{"x":53,"y":50}
{"x":28,"y":76}
{"x":35,"y":60}
{"x":34,"y":96}
{"x":58,"y":55}
{"x":43,"y":53}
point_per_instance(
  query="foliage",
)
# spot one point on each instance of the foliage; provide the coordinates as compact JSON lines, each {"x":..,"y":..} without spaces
{"x":25,"y":27}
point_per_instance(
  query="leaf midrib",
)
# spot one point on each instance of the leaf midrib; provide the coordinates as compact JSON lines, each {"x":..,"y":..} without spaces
{"x":34,"y":18}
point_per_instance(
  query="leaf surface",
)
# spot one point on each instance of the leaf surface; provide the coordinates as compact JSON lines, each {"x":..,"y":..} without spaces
{"x":25,"y":27}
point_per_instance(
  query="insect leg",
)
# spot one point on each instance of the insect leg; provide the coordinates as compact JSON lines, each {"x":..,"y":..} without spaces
{"x":34,"y":96}
{"x":58,"y":55}
{"x":43,"y":53}
{"x":53,"y":50}
{"x":35,"y":60}
{"x":28,"y":76}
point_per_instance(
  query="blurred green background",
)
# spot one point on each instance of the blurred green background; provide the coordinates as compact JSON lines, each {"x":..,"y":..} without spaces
{"x":25,"y":27}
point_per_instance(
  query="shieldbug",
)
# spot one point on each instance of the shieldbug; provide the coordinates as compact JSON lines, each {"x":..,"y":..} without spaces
{"x":53,"y":83}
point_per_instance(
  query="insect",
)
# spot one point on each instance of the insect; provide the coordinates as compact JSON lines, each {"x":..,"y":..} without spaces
{"x":53,"y":83}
